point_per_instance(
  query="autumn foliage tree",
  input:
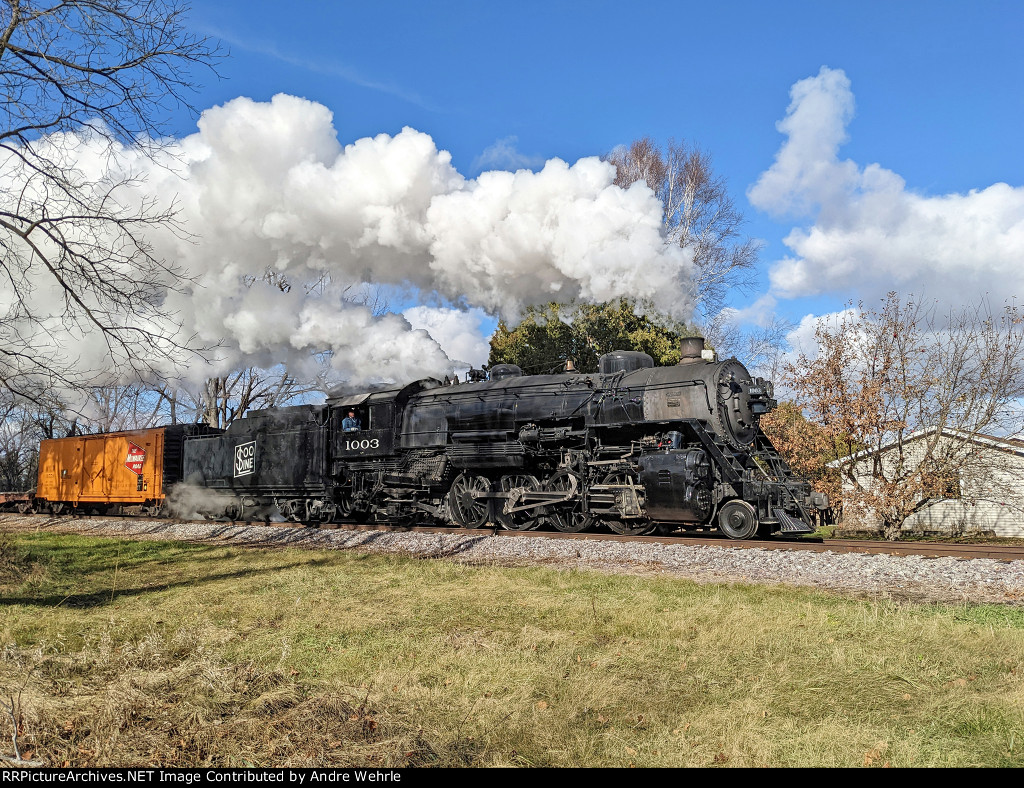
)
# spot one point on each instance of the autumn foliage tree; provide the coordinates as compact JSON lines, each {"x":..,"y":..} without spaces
{"x":807,"y":447}
{"x":912,"y":388}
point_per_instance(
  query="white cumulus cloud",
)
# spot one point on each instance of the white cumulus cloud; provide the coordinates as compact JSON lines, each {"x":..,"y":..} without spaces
{"x":870,"y":233}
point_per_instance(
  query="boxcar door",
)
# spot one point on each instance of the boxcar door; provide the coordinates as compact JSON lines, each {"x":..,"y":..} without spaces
{"x":95,"y":484}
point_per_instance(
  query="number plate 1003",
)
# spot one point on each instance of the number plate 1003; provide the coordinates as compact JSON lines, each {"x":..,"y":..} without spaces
{"x":365,"y":442}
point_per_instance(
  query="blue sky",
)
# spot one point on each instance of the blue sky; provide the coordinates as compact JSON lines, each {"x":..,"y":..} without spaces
{"x":938,"y":89}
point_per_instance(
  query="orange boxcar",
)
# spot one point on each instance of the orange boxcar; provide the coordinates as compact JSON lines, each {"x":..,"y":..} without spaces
{"x":111,"y":471}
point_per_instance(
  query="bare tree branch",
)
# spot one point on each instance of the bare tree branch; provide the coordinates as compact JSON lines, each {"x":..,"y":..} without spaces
{"x":698,"y":214}
{"x":90,"y":75}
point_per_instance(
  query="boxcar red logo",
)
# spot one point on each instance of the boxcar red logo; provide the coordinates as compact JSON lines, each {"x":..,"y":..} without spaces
{"x":136,"y":457}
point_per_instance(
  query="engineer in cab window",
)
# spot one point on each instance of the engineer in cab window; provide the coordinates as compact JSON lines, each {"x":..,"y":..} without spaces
{"x":350,"y":423}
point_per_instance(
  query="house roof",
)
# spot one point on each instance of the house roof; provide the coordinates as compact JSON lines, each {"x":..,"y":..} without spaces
{"x":1014,"y":445}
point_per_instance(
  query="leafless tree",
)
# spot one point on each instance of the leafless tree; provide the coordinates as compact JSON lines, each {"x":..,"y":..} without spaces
{"x":99,"y":74}
{"x":912,"y":392}
{"x":764,"y":348}
{"x":224,"y":399}
{"x":18,"y":443}
{"x":698,"y":213}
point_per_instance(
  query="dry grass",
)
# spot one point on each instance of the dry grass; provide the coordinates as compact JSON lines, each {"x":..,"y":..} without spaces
{"x":16,"y":565}
{"x":149,"y":652}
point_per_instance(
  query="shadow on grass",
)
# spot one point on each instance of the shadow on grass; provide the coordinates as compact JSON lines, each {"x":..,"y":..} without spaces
{"x":110,"y":596}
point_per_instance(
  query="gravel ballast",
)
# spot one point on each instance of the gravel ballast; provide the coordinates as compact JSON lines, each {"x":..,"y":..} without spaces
{"x":901,"y":577}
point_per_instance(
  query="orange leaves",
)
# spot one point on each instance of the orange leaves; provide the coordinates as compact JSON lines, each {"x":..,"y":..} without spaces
{"x":879,"y":376}
{"x":875,"y":754}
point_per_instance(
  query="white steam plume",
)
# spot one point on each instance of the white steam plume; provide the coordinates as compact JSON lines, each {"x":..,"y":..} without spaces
{"x":268,"y":186}
{"x":459,"y":332}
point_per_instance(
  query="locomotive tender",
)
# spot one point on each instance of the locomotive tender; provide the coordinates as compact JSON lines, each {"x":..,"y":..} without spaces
{"x":635,"y":448}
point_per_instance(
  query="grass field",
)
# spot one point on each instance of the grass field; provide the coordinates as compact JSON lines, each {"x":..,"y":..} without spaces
{"x":121,"y":653}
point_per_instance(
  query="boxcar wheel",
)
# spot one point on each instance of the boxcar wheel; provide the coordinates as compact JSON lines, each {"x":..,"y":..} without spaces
{"x":738,"y":520}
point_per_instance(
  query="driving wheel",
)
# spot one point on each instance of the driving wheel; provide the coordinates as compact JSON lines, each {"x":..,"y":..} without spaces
{"x":525,"y":519}
{"x":632,"y":527}
{"x":467,"y":509}
{"x":569,"y":516}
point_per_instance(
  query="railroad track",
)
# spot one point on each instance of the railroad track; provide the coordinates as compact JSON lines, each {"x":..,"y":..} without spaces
{"x":818,"y":545}
{"x":923,"y":549}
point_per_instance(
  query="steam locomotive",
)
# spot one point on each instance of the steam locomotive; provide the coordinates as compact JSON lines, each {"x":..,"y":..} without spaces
{"x":634,"y":448}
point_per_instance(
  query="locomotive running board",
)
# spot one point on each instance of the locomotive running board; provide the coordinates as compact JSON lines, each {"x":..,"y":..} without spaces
{"x":790,"y":525}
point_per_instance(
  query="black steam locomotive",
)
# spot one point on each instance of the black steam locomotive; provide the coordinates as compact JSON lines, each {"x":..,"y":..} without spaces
{"x":634,"y":448}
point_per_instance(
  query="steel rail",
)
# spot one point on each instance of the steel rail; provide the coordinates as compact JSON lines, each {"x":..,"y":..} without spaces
{"x":817,"y":545}
{"x":869,"y":546}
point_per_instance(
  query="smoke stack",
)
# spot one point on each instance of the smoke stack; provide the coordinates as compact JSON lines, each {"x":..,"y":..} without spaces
{"x":690,"y":350}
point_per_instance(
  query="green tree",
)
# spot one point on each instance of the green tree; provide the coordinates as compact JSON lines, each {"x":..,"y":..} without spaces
{"x":550,"y":335}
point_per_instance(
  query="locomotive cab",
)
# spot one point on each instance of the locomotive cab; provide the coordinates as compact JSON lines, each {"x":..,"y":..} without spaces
{"x":380,"y":415}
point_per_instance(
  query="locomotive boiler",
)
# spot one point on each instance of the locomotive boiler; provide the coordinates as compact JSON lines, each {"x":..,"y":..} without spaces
{"x":633,"y":448}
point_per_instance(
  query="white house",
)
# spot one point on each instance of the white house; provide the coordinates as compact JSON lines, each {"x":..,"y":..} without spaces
{"x":980,"y":486}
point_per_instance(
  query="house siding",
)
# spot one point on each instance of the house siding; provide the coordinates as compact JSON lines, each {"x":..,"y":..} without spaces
{"x":992,"y":488}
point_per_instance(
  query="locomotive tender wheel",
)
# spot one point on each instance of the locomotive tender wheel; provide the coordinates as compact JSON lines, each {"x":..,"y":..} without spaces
{"x":637,"y":527}
{"x":570,"y":516}
{"x":467,"y":510}
{"x":525,"y":520}
{"x":738,"y":520}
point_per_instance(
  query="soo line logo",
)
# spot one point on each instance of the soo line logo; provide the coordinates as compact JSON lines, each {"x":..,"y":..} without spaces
{"x":245,"y":458}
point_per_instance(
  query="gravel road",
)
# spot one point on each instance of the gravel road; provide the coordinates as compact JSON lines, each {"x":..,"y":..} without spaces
{"x":901,"y":577}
